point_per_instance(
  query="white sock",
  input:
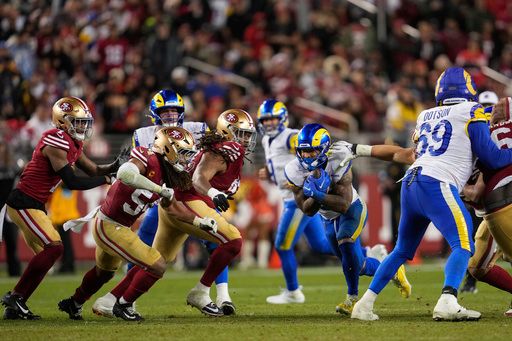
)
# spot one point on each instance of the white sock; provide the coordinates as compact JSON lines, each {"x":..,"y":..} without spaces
{"x":368,"y":298}
{"x":222,"y":292}
{"x":122,"y":300}
{"x":202,"y":287}
{"x":264,"y":247}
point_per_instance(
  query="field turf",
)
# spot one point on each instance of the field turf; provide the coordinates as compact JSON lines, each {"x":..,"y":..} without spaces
{"x":168,"y":317}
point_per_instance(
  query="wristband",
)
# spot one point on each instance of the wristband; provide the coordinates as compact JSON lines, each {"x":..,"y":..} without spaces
{"x":362,"y":150}
{"x":213,"y":192}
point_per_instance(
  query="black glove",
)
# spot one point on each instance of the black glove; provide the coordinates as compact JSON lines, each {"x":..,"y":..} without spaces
{"x":122,"y":157}
{"x":221,"y":202}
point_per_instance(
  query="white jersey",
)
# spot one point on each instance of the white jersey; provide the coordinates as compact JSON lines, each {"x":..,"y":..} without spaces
{"x":278,"y":154}
{"x":296,"y":175}
{"x":444,"y":148}
{"x":145,"y":136}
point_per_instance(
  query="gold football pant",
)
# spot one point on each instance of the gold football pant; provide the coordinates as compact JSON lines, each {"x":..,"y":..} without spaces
{"x":116,"y":242}
{"x":172,"y":233}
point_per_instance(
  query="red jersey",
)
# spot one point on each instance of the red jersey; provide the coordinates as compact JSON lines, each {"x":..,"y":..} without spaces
{"x":39,"y":180}
{"x":124,"y":204}
{"x":501,"y":134}
{"x":227,"y":182}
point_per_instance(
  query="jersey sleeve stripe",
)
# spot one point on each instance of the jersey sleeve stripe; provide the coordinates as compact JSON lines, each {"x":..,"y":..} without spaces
{"x":473,"y":113}
{"x":57,"y":139}
{"x":54,"y":144}
{"x":137,"y":155}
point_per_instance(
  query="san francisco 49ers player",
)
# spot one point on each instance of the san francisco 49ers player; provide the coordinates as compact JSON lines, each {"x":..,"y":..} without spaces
{"x":493,"y":239}
{"x":215,"y":177}
{"x":149,"y":174}
{"x":53,"y":161}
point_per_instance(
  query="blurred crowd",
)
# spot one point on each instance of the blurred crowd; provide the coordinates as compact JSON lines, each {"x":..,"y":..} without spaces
{"x":116,"y":54}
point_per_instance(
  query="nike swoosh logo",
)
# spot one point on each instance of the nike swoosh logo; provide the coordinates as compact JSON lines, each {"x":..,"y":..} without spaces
{"x":25,"y":311}
{"x":129,"y":317}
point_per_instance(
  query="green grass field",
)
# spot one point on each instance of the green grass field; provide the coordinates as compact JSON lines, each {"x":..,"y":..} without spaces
{"x":168,"y":317}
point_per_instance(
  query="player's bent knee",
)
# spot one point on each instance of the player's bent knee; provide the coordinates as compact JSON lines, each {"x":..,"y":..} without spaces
{"x":104,"y":275}
{"x":477,"y":273}
{"x":233,"y":246}
{"x":159,"y":267}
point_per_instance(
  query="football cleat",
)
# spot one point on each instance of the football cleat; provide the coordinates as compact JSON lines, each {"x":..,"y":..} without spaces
{"x":126,"y":311}
{"x":286,"y":297}
{"x":16,"y":304}
{"x":74,"y":310}
{"x":508,"y":313}
{"x":469,"y":285}
{"x":345,"y":307}
{"x":202,"y":301}
{"x":103,"y":305}
{"x":401,"y":282}
{"x":11,"y":314}
{"x":364,"y":312}
{"x":227,"y":307}
{"x":448,"y":309}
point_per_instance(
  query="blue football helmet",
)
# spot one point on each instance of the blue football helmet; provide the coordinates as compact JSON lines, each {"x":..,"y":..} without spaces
{"x":165,"y":99}
{"x":272,"y":108}
{"x":455,"y":86}
{"x":313,"y":137}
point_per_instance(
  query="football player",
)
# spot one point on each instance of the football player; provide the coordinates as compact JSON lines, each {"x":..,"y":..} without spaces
{"x":147,"y":176}
{"x":448,"y":137}
{"x":54,"y":160}
{"x":320,"y":185}
{"x":493,"y":189}
{"x":215,"y":173}
{"x":279,"y":145}
{"x":167,"y":109}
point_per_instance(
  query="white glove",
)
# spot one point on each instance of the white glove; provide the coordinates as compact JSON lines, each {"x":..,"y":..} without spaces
{"x":167,"y":192}
{"x":206,"y":224}
{"x":340,"y":147}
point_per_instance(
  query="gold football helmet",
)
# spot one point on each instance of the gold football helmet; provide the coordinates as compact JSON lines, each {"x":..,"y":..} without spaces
{"x":177,"y":146}
{"x":237,"y":125}
{"x":72,"y":115}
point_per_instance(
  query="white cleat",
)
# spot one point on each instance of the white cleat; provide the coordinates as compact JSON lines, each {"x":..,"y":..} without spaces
{"x":378,"y":252}
{"x":202,"y":301}
{"x":448,"y":309}
{"x":508,"y":313}
{"x":103,"y":305}
{"x":287,"y":297}
{"x":363,"y":312}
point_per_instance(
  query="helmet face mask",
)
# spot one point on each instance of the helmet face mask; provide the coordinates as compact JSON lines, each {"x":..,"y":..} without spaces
{"x":237,"y":125}
{"x":72,"y":115}
{"x":313,"y":143}
{"x":176,"y":145}
{"x":167,"y":109}
{"x":268,"y":110}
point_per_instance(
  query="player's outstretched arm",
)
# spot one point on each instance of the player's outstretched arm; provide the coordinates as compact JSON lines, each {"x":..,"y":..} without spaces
{"x":130,"y":173}
{"x":92,"y":169}
{"x":484,"y":147}
{"x":382,"y":151}
{"x":59,"y":162}
{"x":178,"y":210}
{"x":209,"y":165}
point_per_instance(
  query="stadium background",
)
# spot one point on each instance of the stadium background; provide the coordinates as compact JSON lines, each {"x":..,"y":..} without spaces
{"x":364,"y":69}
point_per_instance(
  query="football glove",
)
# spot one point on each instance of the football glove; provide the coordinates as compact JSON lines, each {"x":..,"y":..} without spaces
{"x":167,"y":192}
{"x":220,"y":199}
{"x":206,"y":224}
{"x":122,"y":157}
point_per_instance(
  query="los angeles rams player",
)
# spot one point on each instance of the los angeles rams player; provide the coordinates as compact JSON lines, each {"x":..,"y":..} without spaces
{"x":279,"y":145}
{"x":167,"y":109}
{"x":448,"y":137}
{"x":320,"y":185}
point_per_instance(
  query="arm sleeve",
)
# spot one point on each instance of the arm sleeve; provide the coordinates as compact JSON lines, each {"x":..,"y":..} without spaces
{"x":482,"y":145}
{"x":129,"y":174}
{"x":72,"y":181}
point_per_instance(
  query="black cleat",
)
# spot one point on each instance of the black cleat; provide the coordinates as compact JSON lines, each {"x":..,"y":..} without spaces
{"x":11,"y":314}
{"x":16,"y":305}
{"x":126,"y":312}
{"x":228,"y":308}
{"x":68,"y":305}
